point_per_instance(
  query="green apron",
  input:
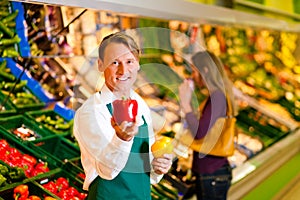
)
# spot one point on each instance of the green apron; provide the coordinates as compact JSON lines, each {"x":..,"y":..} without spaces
{"x":133,"y":182}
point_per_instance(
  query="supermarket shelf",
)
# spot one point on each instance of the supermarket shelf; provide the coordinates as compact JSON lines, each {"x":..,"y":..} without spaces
{"x":257,"y":169}
{"x":292,"y":124}
{"x":180,"y":10}
{"x":282,"y":184}
{"x":291,"y":191}
{"x":261,"y":7}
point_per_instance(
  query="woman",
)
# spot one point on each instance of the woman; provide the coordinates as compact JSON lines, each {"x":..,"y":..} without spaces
{"x":116,"y":157}
{"x":213,"y":173}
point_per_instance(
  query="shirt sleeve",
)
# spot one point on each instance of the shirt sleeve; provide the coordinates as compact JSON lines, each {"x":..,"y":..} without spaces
{"x":215,"y":107}
{"x":98,"y":142}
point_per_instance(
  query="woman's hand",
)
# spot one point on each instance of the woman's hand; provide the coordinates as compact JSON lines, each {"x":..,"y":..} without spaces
{"x":185,"y":96}
{"x":126,"y":130}
{"x":163,"y":164}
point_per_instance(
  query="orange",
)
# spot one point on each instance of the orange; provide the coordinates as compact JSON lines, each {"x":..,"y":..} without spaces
{"x":161,"y":146}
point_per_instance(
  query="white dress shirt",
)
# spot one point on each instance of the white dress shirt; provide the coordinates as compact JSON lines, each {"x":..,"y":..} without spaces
{"x":103,"y":153}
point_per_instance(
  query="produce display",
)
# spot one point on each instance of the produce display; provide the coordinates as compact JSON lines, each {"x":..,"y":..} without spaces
{"x":52,"y":121}
{"x":163,"y":190}
{"x":10,"y":175}
{"x":19,"y":94}
{"x":8,"y":36}
{"x":65,"y":190}
{"x":28,"y":163}
{"x":262,"y":64}
{"x":28,"y":191}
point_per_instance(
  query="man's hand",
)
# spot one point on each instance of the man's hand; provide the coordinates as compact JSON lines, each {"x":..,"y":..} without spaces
{"x":163,"y":164}
{"x":126,"y":130}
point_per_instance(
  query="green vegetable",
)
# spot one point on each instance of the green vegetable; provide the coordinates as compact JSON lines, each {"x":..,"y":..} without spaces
{"x":62,"y":126}
{"x":163,"y":192}
{"x":6,"y":41}
{"x":10,"y":17}
{"x":3,"y":170}
{"x":11,"y":24}
{"x":168,"y":188}
{"x":2,"y":179}
{"x":10,"y":53}
{"x":6,"y":30}
{"x":4,"y":3}
{"x":3,"y":65}
{"x":17,"y":174}
{"x":157,"y":193}
{"x":7,"y":76}
{"x":19,"y":86}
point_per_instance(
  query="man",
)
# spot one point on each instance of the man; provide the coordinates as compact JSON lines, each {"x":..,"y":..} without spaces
{"x":116,"y":158}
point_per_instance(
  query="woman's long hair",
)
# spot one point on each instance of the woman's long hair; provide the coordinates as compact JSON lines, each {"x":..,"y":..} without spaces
{"x":214,"y":75}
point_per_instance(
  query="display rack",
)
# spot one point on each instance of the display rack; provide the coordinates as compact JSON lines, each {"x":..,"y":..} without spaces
{"x":247,"y":176}
{"x":179,"y":10}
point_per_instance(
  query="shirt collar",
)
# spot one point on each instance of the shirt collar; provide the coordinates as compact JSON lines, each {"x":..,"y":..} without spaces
{"x":107,"y":96}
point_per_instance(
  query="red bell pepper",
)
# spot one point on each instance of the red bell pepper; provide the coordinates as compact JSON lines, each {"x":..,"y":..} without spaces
{"x":82,"y":195}
{"x":81,"y":175}
{"x":21,"y":192}
{"x":29,"y":159}
{"x":28,"y":168}
{"x":34,"y":197}
{"x":13,"y":157}
{"x":40,"y":168}
{"x":75,"y":198}
{"x":125,"y":110}
{"x":72,"y":191}
{"x":3,"y":144}
{"x":62,"y":183}
{"x":63,"y":194}
{"x":51,"y":186}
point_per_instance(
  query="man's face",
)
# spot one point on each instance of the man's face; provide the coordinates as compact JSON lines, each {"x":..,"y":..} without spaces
{"x":120,"y":68}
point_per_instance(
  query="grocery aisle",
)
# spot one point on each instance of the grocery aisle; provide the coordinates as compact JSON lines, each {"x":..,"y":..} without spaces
{"x":283,"y":184}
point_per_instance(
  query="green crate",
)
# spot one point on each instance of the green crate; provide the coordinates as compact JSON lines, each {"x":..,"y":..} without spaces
{"x":73,"y":180}
{"x":21,"y":108}
{"x":57,"y":147}
{"x":24,"y":149}
{"x":8,"y":109}
{"x":40,"y":115}
{"x":33,"y":187}
{"x":74,"y":167}
{"x":9,"y":124}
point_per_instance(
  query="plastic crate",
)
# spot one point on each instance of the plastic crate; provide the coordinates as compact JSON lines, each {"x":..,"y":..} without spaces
{"x":33,"y":115}
{"x":33,"y":187}
{"x":74,"y":167}
{"x":186,"y":189}
{"x":56,"y":147}
{"x":24,"y":47}
{"x":64,"y":111}
{"x":33,"y":85}
{"x":24,"y":149}
{"x":8,"y":109}
{"x":21,"y":108}
{"x":9,"y":124}
{"x":73,"y":180}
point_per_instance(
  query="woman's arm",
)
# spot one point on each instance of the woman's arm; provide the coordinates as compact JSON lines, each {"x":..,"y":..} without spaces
{"x":215,"y":107}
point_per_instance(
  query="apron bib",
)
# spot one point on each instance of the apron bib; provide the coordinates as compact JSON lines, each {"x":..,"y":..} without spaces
{"x":133,"y":182}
